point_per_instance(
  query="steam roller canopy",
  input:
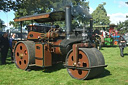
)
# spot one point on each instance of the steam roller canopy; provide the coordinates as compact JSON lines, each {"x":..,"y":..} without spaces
{"x":24,"y":54}
{"x":90,"y":63}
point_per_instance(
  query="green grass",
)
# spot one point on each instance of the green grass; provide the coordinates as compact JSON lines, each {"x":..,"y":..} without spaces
{"x":115,"y":74}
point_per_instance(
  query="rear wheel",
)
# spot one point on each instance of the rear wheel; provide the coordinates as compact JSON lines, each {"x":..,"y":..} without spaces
{"x":24,"y":54}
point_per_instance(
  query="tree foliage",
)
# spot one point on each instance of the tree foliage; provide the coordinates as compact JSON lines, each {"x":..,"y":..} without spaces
{"x":122,"y":27}
{"x":2,"y":26}
{"x":7,"y":5}
{"x":100,"y":15}
{"x":29,"y":7}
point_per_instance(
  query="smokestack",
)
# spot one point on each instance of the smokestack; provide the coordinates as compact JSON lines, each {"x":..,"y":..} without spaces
{"x":91,"y":23}
{"x":68,"y":21}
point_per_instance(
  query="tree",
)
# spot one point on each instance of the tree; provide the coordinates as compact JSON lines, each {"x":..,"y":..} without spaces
{"x":15,"y":25}
{"x":29,"y":7}
{"x":79,"y":10}
{"x":2,"y":26}
{"x":122,"y":27}
{"x":100,"y":15}
{"x":7,"y":5}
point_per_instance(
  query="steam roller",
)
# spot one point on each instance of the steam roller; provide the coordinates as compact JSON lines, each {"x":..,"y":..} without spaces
{"x":47,"y":45}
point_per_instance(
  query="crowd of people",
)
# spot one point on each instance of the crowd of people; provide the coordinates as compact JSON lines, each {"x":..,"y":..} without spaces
{"x":5,"y":45}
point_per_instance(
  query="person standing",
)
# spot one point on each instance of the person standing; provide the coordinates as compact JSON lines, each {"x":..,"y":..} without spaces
{"x":10,"y":45}
{"x":122,"y":45}
{"x":4,"y":46}
{"x":96,"y":31}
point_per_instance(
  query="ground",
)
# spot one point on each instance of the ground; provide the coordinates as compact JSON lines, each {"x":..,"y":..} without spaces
{"x":115,"y":74}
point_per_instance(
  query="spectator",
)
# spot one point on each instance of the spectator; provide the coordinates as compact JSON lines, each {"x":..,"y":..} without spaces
{"x":122,"y":45}
{"x":10,"y":45}
{"x":4,"y":46}
{"x":96,"y":31}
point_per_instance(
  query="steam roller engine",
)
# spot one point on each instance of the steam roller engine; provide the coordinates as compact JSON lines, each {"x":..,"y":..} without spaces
{"x":47,"y":45}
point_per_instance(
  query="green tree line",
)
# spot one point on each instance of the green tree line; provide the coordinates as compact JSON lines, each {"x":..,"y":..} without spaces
{"x":122,"y":27}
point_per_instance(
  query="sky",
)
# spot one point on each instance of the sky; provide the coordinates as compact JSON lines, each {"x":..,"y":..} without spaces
{"x":116,"y":9}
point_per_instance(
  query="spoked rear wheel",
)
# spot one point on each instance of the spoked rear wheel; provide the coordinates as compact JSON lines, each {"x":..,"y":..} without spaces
{"x":24,"y":54}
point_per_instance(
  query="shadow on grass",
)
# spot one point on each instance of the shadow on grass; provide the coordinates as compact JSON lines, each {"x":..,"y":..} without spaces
{"x":101,"y":49}
{"x":104,"y":74}
{"x":125,"y":54}
{"x":114,"y":46}
{"x":53,"y":68}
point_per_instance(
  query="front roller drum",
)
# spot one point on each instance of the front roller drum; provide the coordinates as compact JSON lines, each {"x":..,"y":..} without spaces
{"x":90,"y":63}
{"x":24,"y":54}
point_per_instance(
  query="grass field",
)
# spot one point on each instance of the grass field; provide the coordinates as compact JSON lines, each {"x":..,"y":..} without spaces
{"x":115,"y":74}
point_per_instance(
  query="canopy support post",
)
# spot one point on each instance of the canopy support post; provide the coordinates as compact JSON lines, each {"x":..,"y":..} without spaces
{"x":21,"y":28}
